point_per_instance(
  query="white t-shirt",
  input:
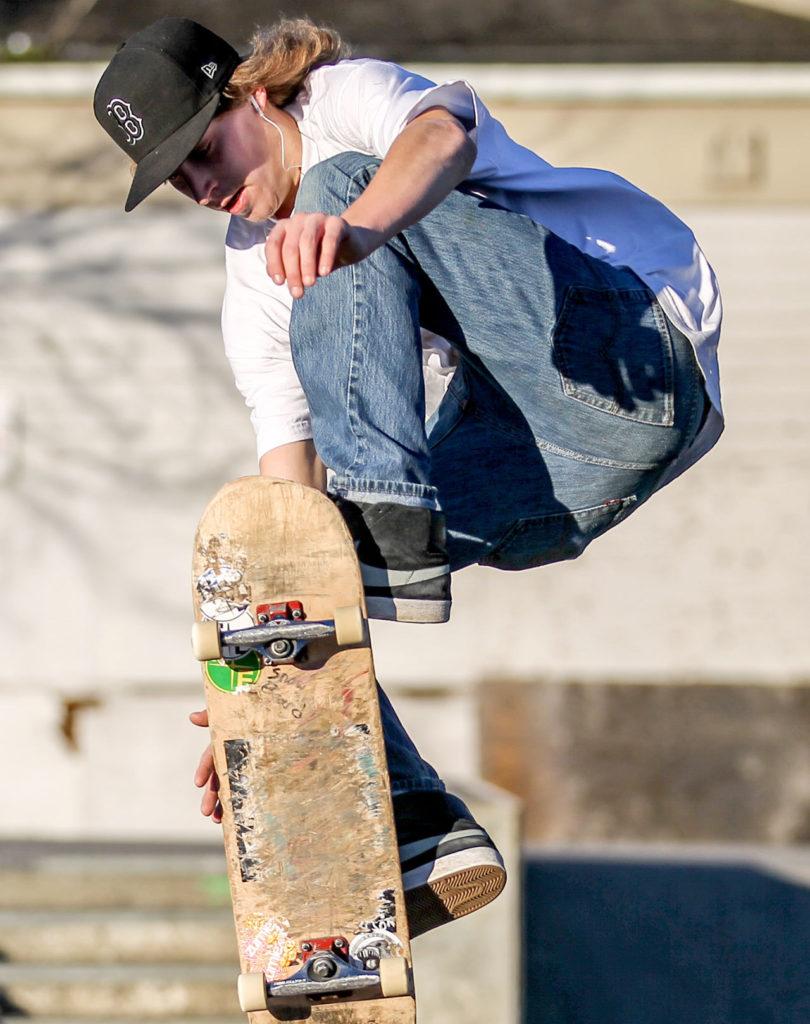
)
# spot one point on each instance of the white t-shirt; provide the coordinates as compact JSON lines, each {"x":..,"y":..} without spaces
{"x":363,"y":105}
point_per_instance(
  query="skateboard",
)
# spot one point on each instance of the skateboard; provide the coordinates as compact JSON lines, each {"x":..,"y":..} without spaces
{"x":280,"y":629}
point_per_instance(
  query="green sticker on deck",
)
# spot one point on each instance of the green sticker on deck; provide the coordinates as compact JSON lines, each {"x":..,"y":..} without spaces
{"x":231,"y":675}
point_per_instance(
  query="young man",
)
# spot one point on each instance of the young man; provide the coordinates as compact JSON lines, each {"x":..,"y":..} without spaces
{"x":568,"y":322}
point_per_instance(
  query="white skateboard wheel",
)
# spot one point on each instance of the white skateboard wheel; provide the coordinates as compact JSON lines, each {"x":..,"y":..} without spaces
{"x":252,"y":991}
{"x":349,"y":626}
{"x":395,"y":978}
{"x":205,"y":640}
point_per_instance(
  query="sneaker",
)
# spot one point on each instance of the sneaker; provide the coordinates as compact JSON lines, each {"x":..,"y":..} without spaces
{"x":403,"y":559}
{"x":450,"y":866}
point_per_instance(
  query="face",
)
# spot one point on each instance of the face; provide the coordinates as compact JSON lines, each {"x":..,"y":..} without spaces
{"x":236,"y":166}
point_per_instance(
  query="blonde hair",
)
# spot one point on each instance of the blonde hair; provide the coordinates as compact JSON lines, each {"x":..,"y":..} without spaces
{"x":281,"y":57}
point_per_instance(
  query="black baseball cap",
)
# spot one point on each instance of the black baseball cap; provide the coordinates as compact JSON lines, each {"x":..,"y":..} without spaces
{"x":158,"y":95}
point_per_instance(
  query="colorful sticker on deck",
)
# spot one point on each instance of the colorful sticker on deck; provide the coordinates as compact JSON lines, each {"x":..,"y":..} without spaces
{"x":234,"y":676}
{"x":386,"y":919}
{"x":268,"y":947}
{"x":376,"y":943}
{"x":224,"y":595}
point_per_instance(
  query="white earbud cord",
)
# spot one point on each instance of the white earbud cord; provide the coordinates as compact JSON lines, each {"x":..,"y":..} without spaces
{"x":264,"y":117}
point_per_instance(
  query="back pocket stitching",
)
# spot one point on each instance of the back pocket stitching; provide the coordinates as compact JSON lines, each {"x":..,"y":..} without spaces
{"x":574,"y":299}
{"x":611,"y":509}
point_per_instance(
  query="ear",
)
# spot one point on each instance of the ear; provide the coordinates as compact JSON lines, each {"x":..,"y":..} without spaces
{"x":260,"y":95}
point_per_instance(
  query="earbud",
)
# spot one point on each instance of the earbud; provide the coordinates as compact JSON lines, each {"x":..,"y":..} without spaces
{"x":264,"y":117}
{"x":258,"y":109}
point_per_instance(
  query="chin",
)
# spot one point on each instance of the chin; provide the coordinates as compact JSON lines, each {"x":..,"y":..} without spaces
{"x":257,"y":213}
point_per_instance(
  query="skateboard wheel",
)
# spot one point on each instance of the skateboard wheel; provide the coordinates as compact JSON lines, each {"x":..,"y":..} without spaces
{"x":395,"y":978}
{"x":349,"y":626}
{"x":205,"y":640}
{"x":252,"y":992}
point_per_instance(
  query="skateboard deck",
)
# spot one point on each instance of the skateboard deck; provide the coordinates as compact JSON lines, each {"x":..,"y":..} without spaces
{"x":295,"y":726}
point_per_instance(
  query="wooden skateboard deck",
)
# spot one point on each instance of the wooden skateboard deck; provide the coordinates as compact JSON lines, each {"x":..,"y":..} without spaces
{"x":307,"y":821}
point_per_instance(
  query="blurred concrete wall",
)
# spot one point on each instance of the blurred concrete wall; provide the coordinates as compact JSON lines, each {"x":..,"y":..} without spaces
{"x":118,"y":420}
{"x":724,"y":134}
{"x":801,"y":8}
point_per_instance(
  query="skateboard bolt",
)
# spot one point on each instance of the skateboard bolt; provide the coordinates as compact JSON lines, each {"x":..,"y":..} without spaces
{"x":281,"y":648}
{"x":371,"y":963}
{"x":306,"y":947}
{"x":339,"y":943}
{"x":323,"y":967}
{"x":263,"y":618}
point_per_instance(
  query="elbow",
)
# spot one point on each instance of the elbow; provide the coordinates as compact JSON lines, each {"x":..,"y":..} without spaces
{"x":464,"y":150}
{"x":461,"y":151}
{"x":458,"y":148}
{"x":469,"y":153}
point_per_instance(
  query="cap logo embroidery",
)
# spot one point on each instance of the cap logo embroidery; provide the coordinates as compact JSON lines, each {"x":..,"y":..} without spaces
{"x":209,"y":69}
{"x":131,"y":125}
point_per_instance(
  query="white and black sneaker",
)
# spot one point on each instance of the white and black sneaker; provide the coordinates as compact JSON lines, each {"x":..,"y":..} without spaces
{"x":450,"y":866}
{"x":403,"y":559}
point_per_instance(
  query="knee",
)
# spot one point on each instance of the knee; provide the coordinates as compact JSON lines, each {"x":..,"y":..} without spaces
{"x":332,"y":185}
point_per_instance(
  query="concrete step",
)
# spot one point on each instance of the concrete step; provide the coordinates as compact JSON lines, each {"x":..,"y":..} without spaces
{"x":113,"y":895}
{"x":89,"y":876}
{"x":117,"y":936}
{"x":119,"y":992}
{"x":32,"y":890}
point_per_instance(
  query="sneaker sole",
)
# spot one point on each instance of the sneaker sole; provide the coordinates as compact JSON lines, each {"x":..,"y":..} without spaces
{"x":452,"y":887}
{"x":402,"y":609}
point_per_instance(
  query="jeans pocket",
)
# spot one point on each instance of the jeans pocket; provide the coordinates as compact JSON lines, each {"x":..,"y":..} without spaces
{"x":540,"y":540}
{"x":613,"y":350}
{"x":450,"y":411}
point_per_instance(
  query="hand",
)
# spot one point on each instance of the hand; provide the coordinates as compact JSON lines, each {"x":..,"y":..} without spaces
{"x":206,"y":775}
{"x":307,"y":246}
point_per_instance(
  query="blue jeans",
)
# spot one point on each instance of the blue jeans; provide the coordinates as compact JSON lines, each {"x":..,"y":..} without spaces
{"x":572,"y":396}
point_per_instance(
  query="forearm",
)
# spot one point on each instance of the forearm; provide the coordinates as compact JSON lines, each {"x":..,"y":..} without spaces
{"x":425,"y":163}
{"x":296,"y":461}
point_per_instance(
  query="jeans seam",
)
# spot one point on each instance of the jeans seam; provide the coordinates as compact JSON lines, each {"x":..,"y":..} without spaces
{"x":613,"y":509}
{"x":422,"y":784}
{"x":353,"y":377}
{"x":589,"y":512}
{"x":669,"y":364}
{"x":354,"y":420}
{"x":593,"y":460}
{"x":342,"y":482}
{"x":461,"y":407}
{"x":697,"y":390}
{"x":612,"y":409}
{"x":556,"y":449}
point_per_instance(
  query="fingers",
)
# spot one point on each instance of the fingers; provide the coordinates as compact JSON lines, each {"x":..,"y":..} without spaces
{"x":303,"y":248}
{"x":205,"y":767}
{"x":199,"y":718}
{"x":307,"y":257}
{"x":210,"y":805}
{"x":272,"y":251}
{"x":333,"y":233}
{"x":206,"y":775}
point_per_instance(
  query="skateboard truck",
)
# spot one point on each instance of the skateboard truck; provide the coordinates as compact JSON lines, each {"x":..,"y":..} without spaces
{"x":281,"y":636}
{"x":327,"y":973}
